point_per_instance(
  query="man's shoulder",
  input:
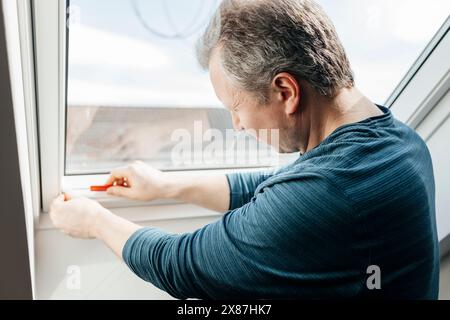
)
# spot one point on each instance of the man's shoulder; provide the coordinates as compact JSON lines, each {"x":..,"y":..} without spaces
{"x":304,"y":176}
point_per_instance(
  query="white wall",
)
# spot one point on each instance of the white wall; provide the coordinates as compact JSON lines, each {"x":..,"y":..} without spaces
{"x":103,"y":275}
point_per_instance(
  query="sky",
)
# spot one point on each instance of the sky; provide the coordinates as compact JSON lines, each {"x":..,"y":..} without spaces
{"x":119,"y":59}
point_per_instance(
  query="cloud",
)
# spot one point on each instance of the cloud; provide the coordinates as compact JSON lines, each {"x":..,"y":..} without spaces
{"x":85,"y":93}
{"x":108,"y":69}
{"x":93,"y":47}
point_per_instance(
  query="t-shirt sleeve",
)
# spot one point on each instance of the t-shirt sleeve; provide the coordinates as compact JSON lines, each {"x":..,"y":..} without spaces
{"x":243,"y":186}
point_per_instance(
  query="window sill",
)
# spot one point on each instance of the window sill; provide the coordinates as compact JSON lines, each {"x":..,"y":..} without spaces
{"x":144,"y":214}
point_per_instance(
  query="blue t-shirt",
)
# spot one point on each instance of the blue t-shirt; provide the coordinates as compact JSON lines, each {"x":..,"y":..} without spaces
{"x":364,"y":197}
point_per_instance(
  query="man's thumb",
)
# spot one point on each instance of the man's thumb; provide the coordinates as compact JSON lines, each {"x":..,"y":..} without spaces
{"x":66,"y":197}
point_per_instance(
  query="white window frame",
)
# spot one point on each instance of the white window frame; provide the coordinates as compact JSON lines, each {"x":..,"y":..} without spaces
{"x":25,"y":52}
{"x":18,"y":27}
{"x":49,"y":24}
{"x":427,"y":81}
{"x":50,"y":57}
{"x":418,"y":101}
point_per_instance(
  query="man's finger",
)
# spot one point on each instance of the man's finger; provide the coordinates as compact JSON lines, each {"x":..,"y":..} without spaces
{"x":119,"y":191}
{"x":58,"y":200}
{"x":55,"y":204}
{"x":117,"y":174}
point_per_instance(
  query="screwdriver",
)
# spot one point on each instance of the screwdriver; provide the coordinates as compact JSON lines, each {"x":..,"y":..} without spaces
{"x":101,"y":188}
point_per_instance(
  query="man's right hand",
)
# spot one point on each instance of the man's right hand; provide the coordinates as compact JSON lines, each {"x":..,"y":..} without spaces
{"x":138,"y":181}
{"x":141,"y":182}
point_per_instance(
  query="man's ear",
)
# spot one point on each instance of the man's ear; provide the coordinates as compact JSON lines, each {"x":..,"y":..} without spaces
{"x":287,"y":91}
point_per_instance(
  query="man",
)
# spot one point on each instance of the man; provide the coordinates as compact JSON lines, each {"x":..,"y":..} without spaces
{"x":360,"y":198}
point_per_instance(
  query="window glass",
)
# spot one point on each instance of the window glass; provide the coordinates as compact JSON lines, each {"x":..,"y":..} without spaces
{"x":383,"y":38}
{"x":136,"y":91}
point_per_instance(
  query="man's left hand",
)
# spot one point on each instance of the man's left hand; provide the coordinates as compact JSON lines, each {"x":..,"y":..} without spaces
{"x":76,"y":217}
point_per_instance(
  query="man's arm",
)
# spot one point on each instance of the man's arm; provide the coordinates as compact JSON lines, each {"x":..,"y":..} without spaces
{"x":114,"y":231}
{"x":216,"y":192}
{"x":243,"y":186}
{"x":87,"y":219}
{"x":207,"y":191}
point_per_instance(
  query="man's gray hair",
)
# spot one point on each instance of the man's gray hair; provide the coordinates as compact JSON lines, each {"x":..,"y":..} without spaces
{"x":259,"y":39}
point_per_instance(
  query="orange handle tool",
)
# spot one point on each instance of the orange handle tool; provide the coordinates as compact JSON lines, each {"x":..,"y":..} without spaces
{"x":101,"y":188}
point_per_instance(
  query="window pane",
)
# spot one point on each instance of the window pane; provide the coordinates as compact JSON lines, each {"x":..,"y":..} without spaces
{"x":133,"y":79}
